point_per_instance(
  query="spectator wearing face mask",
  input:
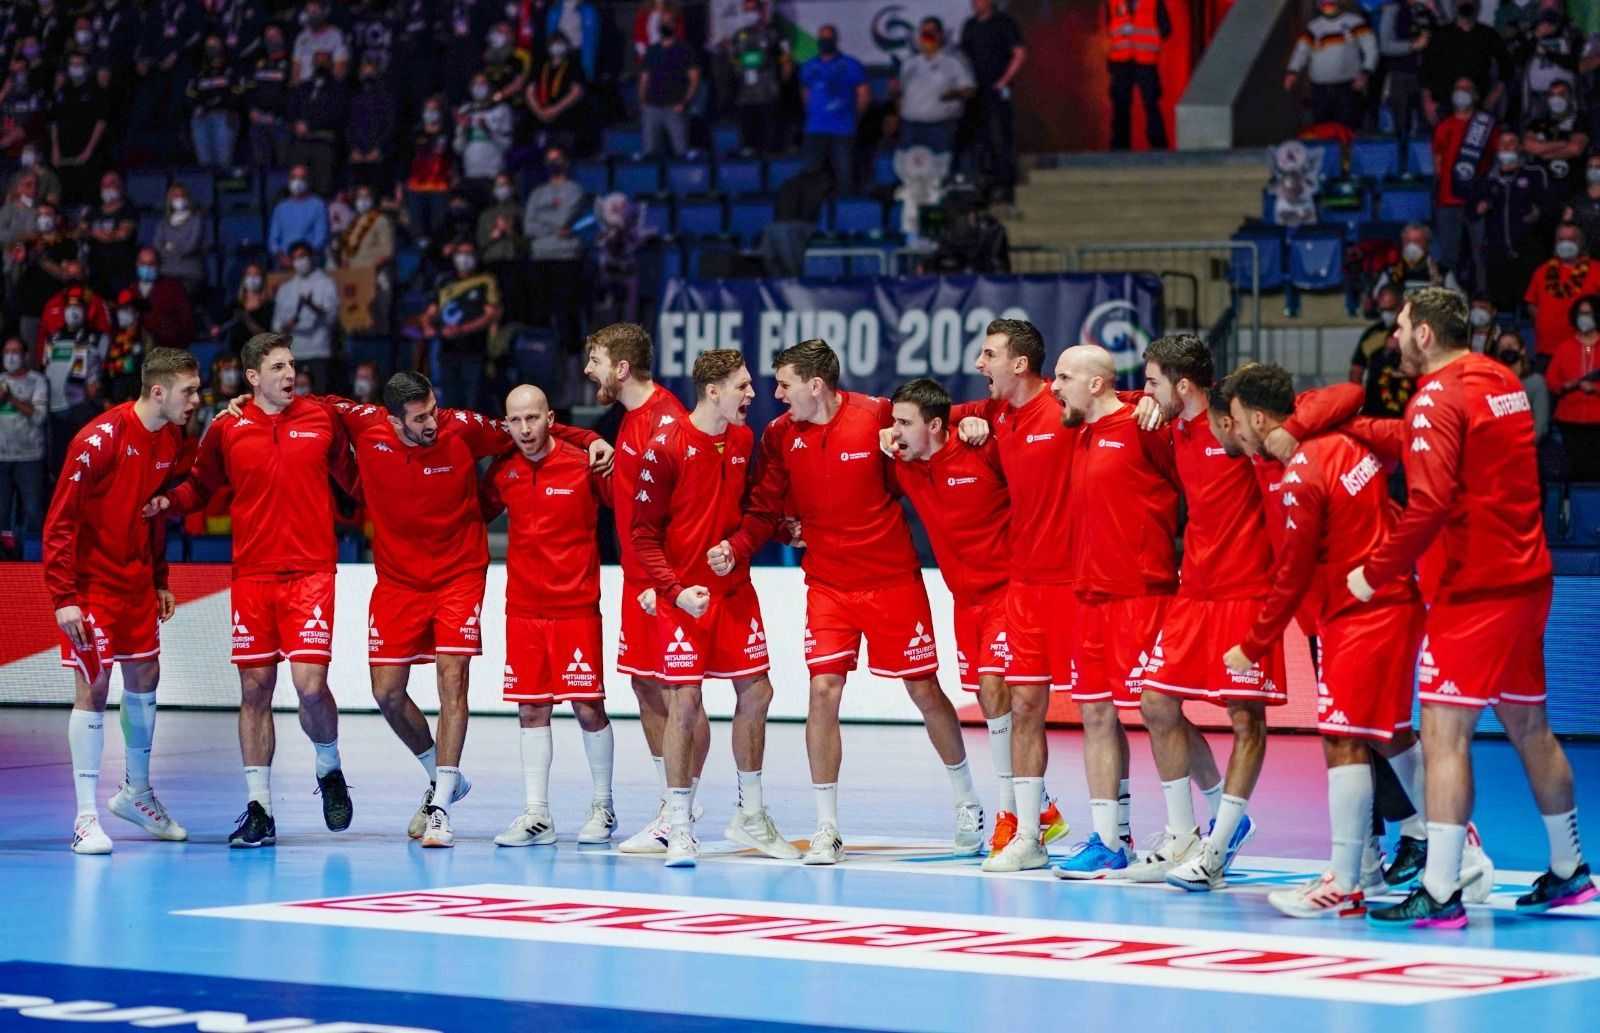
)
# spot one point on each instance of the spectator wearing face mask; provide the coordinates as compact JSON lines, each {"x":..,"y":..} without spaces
{"x":364,"y":383}
{"x":1510,"y":349}
{"x":505,"y":65}
{"x":266,"y":100}
{"x":301,"y":216}
{"x":23,"y":103}
{"x":667,"y":85}
{"x":169,"y":35}
{"x":110,"y":235}
{"x":432,"y":174}
{"x":225,"y":384}
{"x":371,"y":133}
{"x":317,"y":37}
{"x":19,"y":216}
{"x":24,"y":407}
{"x":461,"y":319}
{"x":319,"y":111}
{"x":1481,"y":329}
{"x":96,"y":314}
{"x":238,"y":23}
{"x":557,"y":99}
{"x":1337,"y":53}
{"x":1512,"y":202}
{"x":1555,"y":288}
{"x":1557,"y":137}
{"x":250,"y":312}
{"x":834,"y":88}
{"x":992,"y":42}
{"x":307,"y":309}
{"x":482,"y":138}
{"x":556,"y":283}
{"x":167,"y":313}
{"x":1376,"y":362}
{"x":1404,"y":32}
{"x":465,"y":27}
{"x":46,"y":266}
{"x":183,"y":240}
{"x":1553,"y":54}
{"x":579,"y":22}
{"x":1416,"y":267}
{"x":78,"y":133}
{"x":647,"y":19}
{"x":1584,"y":208}
{"x":1465,"y":47}
{"x":213,"y":96}
{"x":74,"y":355}
{"x":368,"y":242}
{"x":761,"y":64}
{"x":933,"y":87}
{"x":1462,"y":150}
{"x":32,"y":162}
{"x":129,"y":344}
{"x":1574,"y":380}
{"x":502,"y":247}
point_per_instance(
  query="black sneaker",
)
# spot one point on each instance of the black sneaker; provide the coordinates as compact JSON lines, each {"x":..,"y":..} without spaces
{"x":1410,"y":857}
{"x":1420,"y":911}
{"x":337,"y":810}
{"x":1551,"y":891}
{"x":256,"y":828}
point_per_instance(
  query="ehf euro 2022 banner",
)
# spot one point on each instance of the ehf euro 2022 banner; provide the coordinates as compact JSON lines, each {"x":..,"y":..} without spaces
{"x":887,"y":331}
{"x":875,"y":32}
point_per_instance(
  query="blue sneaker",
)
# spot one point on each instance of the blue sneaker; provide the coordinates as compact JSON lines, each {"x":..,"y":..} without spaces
{"x":1241,"y":834}
{"x":1092,"y":860}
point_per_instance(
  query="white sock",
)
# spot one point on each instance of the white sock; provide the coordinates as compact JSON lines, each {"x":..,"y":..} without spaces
{"x":1350,"y":815}
{"x":1230,"y":812}
{"x":1442,"y":875}
{"x":1180,"y":805}
{"x":1030,"y":799}
{"x":1124,"y":813}
{"x":445,"y":788}
{"x":430,"y":764}
{"x":749,"y":792}
{"x":600,"y":748}
{"x":1565,"y":853}
{"x":961,"y":782}
{"x":1409,"y":770}
{"x":258,"y":783}
{"x":661,"y":774}
{"x":680,"y":807}
{"x":694,"y":791}
{"x":1103,"y":819}
{"x":1213,"y":798}
{"x":86,"y":739}
{"x":138,"y":714}
{"x":1000,"y":752}
{"x":537,"y":749}
{"x":327,"y":757}
{"x":827,"y":804}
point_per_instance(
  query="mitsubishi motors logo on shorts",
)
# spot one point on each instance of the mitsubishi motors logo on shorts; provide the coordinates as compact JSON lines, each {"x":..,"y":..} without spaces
{"x":679,"y":643}
{"x":242,"y":638}
{"x":756,"y":634}
{"x":1157,"y":657}
{"x":755,"y":644}
{"x":317,"y":631}
{"x":1135,"y":679}
{"x":471,"y":629}
{"x":1000,"y":648}
{"x":1427,"y":669}
{"x":579,"y":674}
{"x":680,"y":654}
{"x":510,"y":679}
{"x":374,"y":637}
{"x":921,"y":645}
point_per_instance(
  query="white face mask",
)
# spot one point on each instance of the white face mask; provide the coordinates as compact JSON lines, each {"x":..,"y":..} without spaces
{"x":1462,"y":99}
{"x":1479,"y":317}
{"x":430,"y":117}
{"x":112,"y":196}
{"x":229,"y":377}
{"x":29,"y":158}
{"x":126,"y":317}
{"x":47,"y":223}
{"x":180,"y":204}
{"x":363,"y":205}
{"x":252,"y":283}
{"x":13,"y":362}
{"x":362,"y":388}
{"x":1412,"y":253}
{"x":302,"y":266}
{"x":1592,"y":174}
{"x":480,"y":91}
{"x":1388,"y":316}
{"x":558,"y":52}
{"x":297,"y":187}
{"x":77,"y":73}
{"x":1566,"y":250}
{"x":84,"y":37}
{"x":1558,"y":105}
{"x":73,"y":317}
{"x":1585,"y":324}
{"x":1507,"y":158}
{"x":466,"y":263}
{"x":498,"y":41}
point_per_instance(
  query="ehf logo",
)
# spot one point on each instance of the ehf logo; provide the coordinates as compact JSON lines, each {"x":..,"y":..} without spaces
{"x":1114,"y":326}
{"x":893,"y":32}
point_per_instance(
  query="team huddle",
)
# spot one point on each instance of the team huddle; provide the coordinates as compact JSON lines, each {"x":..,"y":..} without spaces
{"x":1053,"y":509}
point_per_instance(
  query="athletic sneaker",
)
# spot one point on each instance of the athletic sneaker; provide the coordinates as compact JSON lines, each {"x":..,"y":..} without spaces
{"x":88,"y":837}
{"x":598,"y":826}
{"x":758,"y":832}
{"x":1241,"y":835}
{"x":1477,"y":871}
{"x":652,"y":839}
{"x":419,"y":820}
{"x":1005,"y":827}
{"x":1550,"y":890}
{"x":530,"y":828}
{"x":1022,"y":854}
{"x":438,"y":833}
{"x":145,"y":811}
{"x":1372,"y":880}
{"x":1320,"y":898}
{"x":1201,"y":873}
{"x":1171,"y":851}
{"x":1420,"y":911}
{"x":1052,"y":826}
{"x":337,"y":810}
{"x":969,"y":829}
{"x":1410,"y":858}
{"x":682,"y":850}
{"x":825,"y":847}
{"x":1092,"y":859}
{"x":256,"y":828}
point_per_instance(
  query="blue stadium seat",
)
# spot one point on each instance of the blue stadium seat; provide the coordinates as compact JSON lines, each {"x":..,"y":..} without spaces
{"x":1332,"y":157}
{"x":407,"y":260}
{"x":701,"y":217}
{"x":749,"y":215}
{"x":636,"y":178}
{"x":241,"y":193}
{"x":879,"y":79}
{"x":1316,"y":257}
{"x":856,"y":216}
{"x":1269,"y":241}
{"x":724,"y":138}
{"x":1420,"y":157}
{"x":274,"y":185}
{"x":1405,"y":201}
{"x":883,"y":174}
{"x":1585,"y":513}
{"x":892,"y":223}
{"x":688,"y":177}
{"x":239,"y":229}
{"x":1374,"y":157}
{"x":1347,"y":219}
{"x":825,"y":267}
{"x":146,"y":188}
{"x":148,"y":221}
{"x":205,"y":353}
{"x":658,"y":216}
{"x":781,"y":170}
{"x":622,"y":140}
{"x":594,"y":175}
{"x":200,"y":183}
{"x":211,"y":548}
{"x":739,"y":176}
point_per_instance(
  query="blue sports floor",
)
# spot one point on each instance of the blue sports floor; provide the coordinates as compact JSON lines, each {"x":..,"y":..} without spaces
{"x":197,"y":937}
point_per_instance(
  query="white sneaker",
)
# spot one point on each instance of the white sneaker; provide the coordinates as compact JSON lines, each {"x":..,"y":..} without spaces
{"x":1023,"y":854}
{"x":1477,"y":870}
{"x":1201,"y":873}
{"x":438,"y":833}
{"x":969,"y":829}
{"x":1320,"y":898}
{"x":825,"y":847}
{"x":88,"y":837}
{"x":145,"y":811}
{"x":1172,"y":850}
{"x":419,"y":820}
{"x":758,"y":832}
{"x":682,"y":849}
{"x":597,"y":828}
{"x":652,"y":839}
{"x":1372,"y":866}
{"x":530,"y":828}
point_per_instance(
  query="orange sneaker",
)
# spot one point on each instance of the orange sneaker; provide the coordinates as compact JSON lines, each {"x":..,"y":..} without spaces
{"x":1052,"y":826}
{"x":1005,"y":829}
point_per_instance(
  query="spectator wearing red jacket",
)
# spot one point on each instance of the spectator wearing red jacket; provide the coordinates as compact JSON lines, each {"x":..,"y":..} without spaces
{"x":1462,"y":146}
{"x":169,"y":317}
{"x":1574,"y":380}
{"x":96,"y":315}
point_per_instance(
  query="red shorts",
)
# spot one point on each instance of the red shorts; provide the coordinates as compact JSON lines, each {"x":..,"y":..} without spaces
{"x":1113,"y":638}
{"x":1487,"y":652}
{"x":553,"y":661}
{"x":405,"y":626}
{"x":1041,"y":621}
{"x":638,"y":652}
{"x":1369,"y":663}
{"x":1186,"y":660}
{"x":727,"y":641}
{"x":896,"y":622}
{"x":287,"y":618}
{"x":981,"y":647}
{"x":120,"y":629}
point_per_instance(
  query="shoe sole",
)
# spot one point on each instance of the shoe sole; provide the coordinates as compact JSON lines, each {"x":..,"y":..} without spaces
{"x":594,"y":840}
{"x":1234,"y":848}
{"x":339,"y":827}
{"x":1193,"y":886}
{"x":1103,"y":873}
{"x":680,"y":862}
{"x":86,"y":852}
{"x":239,"y":844}
{"x":638,"y":851}
{"x":436,"y":844}
{"x":744,"y":839}
{"x":1456,"y":922}
{"x":1054,"y":832}
{"x":172,"y":834}
{"x":1041,"y":866}
{"x":1580,"y":897}
{"x":820,"y":862}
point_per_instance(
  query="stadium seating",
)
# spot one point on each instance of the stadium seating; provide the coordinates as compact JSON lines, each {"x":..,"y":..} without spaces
{"x":689,"y":177}
{"x":146,"y":188}
{"x":658,"y":216}
{"x":1316,"y":257}
{"x":1269,"y":241}
{"x":636,"y":178}
{"x":1375,"y":157}
{"x":781,"y":170}
{"x":1420,"y":161}
{"x":1405,"y":201}
{"x":593,"y":174}
{"x":749,"y":215}
{"x":740,"y":176}
{"x":699,"y":217}
{"x":625,"y":140}
{"x":854,"y":216}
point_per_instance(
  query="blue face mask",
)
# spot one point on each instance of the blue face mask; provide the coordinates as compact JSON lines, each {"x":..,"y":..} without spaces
{"x":147,"y":273}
